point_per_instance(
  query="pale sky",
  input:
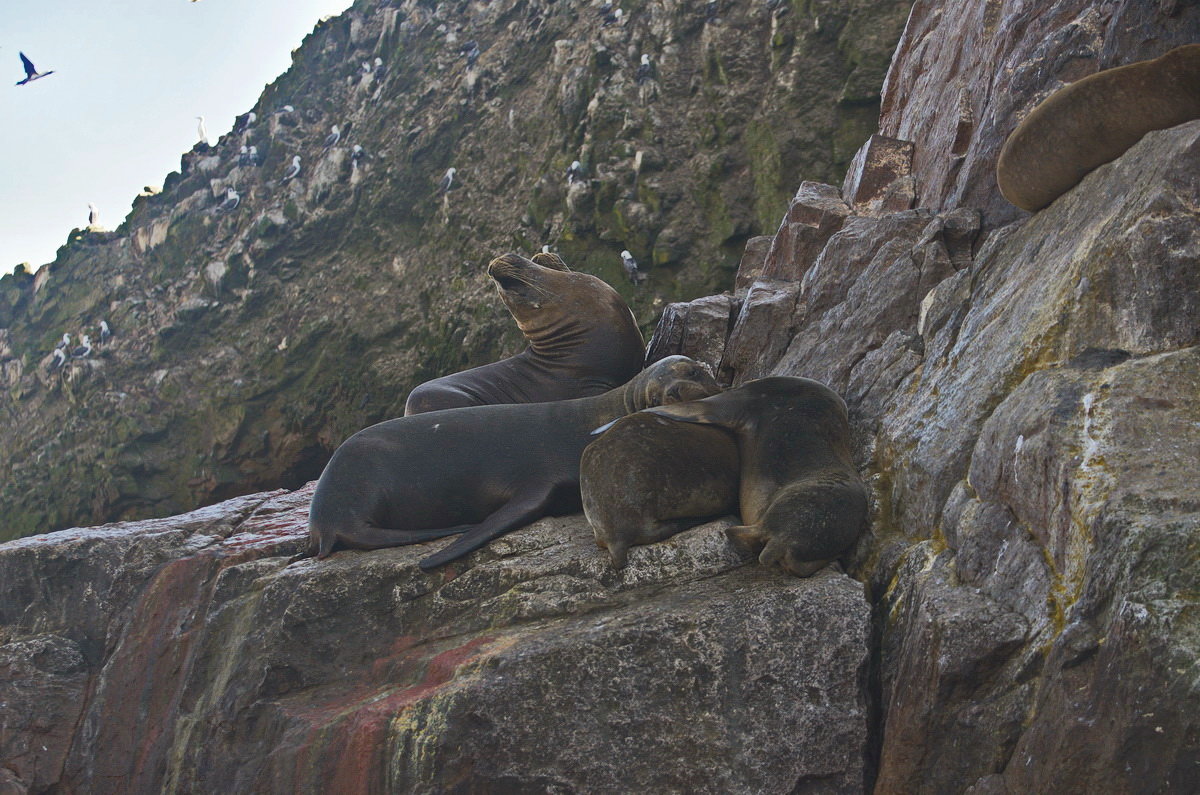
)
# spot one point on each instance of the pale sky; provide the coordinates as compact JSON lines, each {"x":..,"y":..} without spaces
{"x":130,"y":76}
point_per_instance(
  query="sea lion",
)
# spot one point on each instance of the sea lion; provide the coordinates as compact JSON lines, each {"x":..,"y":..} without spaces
{"x":583,"y":340}
{"x":647,"y":478}
{"x":478,"y":471}
{"x":1094,"y":120}
{"x":801,"y":498}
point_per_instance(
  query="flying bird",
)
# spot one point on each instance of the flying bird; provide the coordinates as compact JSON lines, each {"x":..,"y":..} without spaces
{"x":31,"y":72}
{"x":334,"y":136}
{"x":202,"y":131}
{"x":448,"y":179}
{"x":631,"y":268}
{"x":293,"y":169}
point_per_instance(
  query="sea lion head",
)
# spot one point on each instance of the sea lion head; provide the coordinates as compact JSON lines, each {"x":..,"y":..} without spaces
{"x":758,"y":400}
{"x":674,"y":379}
{"x":566,"y":313}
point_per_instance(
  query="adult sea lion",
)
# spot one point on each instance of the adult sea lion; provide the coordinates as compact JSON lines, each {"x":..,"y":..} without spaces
{"x":647,"y":478}
{"x":478,"y":471}
{"x":801,"y":498}
{"x":583,"y":340}
{"x":1094,"y":120}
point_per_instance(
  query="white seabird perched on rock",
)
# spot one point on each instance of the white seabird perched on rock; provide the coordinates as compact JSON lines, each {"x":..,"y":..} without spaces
{"x":447,"y":179}
{"x":244,"y":156}
{"x":293,"y":169}
{"x":574,"y":172}
{"x":105,"y":332}
{"x":85,"y":348}
{"x":202,"y":131}
{"x":613,"y":17}
{"x":232,"y":200}
{"x":93,"y":215}
{"x":334,"y":136}
{"x":285,"y":109}
{"x":253,"y":155}
{"x":366,"y":67}
{"x":645,"y":70}
{"x":64,"y":342}
{"x":31,"y":73}
{"x":357,"y":153}
{"x":631,"y":268}
{"x":60,"y":358}
{"x":379,"y":67}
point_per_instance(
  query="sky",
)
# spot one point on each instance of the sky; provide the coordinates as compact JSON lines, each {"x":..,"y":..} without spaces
{"x":130,"y":78}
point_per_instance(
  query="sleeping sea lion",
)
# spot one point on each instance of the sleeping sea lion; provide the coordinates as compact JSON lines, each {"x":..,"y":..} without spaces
{"x":801,"y":498}
{"x":583,"y":340}
{"x":1094,"y":120}
{"x":647,"y":478}
{"x":478,"y":471}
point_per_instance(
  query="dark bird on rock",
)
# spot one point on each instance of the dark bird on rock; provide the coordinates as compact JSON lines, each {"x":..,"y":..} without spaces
{"x":85,"y":349}
{"x":645,"y":70}
{"x":293,"y":169}
{"x":334,"y":136}
{"x":631,"y":268}
{"x":232,"y":200}
{"x":575,"y":172}
{"x":613,"y":17}
{"x":31,"y":73}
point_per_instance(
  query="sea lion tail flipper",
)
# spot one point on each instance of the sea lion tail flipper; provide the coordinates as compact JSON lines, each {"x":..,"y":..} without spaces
{"x":520,"y":510}
{"x":619,"y":552}
{"x":747,"y":537}
{"x":774,"y":552}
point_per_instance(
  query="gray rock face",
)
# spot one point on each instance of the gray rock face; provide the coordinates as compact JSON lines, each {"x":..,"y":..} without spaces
{"x":192,"y":657}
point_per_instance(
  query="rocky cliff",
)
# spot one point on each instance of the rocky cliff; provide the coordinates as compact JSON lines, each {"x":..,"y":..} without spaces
{"x":1022,"y":617}
{"x":249,"y":343}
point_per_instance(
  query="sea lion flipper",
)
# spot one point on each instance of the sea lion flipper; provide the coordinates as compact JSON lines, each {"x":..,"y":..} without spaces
{"x":523,"y":508}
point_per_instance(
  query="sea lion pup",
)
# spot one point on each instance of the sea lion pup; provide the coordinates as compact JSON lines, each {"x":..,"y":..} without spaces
{"x":800,"y":494}
{"x":647,"y":478}
{"x":583,"y":340}
{"x":1094,"y":120}
{"x":478,"y":471}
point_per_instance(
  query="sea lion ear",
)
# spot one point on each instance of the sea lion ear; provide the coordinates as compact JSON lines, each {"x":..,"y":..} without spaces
{"x":548,"y":260}
{"x":746,"y":537}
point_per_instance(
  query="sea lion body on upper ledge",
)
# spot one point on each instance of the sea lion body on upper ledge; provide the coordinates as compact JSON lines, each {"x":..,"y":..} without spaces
{"x":1093,"y":121}
{"x":583,"y":340}
{"x":647,"y":478}
{"x":801,"y":498}
{"x":479,"y":471}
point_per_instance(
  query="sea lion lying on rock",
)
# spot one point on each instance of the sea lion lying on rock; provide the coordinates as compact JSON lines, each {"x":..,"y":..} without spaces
{"x":478,"y":471}
{"x":583,"y":340}
{"x":647,"y":478}
{"x":1094,"y":120}
{"x":801,"y":498}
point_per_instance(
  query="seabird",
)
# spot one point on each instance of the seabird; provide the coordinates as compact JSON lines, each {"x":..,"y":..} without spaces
{"x":366,"y":67}
{"x":379,"y":69}
{"x":232,"y":199}
{"x":471,"y":50}
{"x":334,"y":136}
{"x":84,"y":349}
{"x":201,"y":131}
{"x":105,"y":331}
{"x":31,"y":73}
{"x":251,"y":117}
{"x":546,"y":249}
{"x":93,"y":215}
{"x":285,"y":109}
{"x":448,"y":179}
{"x":293,"y":169}
{"x":357,"y":153}
{"x":60,"y":358}
{"x":253,"y":155}
{"x":645,"y":71}
{"x":710,"y":11}
{"x":64,"y":342}
{"x":631,"y":268}
{"x":575,"y":172}
{"x":612,"y":18}
{"x":244,"y":156}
